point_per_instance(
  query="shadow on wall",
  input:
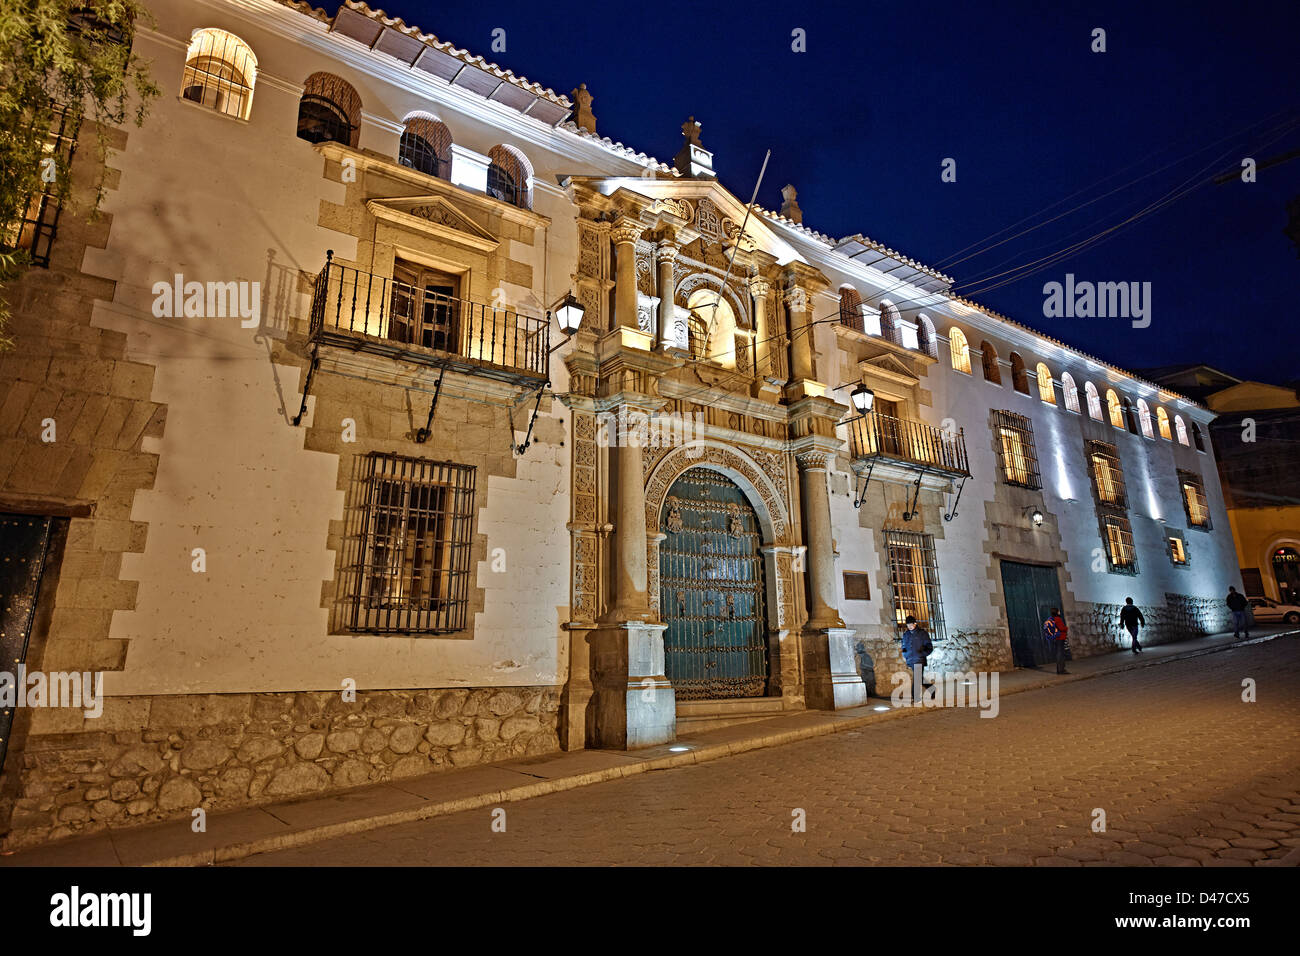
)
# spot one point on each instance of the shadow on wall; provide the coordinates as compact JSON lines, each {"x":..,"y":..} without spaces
{"x":866,"y":667}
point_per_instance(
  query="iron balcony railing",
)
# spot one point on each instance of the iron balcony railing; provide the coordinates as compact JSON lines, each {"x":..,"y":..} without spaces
{"x":879,"y":436}
{"x":379,"y":314}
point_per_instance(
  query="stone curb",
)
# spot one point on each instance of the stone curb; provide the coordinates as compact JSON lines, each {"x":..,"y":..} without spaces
{"x":284,"y":841}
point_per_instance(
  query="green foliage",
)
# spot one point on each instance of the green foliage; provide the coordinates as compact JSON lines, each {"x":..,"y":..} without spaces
{"x":62,"y":54}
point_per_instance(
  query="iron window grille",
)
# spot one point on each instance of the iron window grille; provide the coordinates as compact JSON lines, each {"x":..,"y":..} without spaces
{"x":36,"y":226}
{"x":1195,"y":506}
{"x":1016,"y":449}
{"x":321,"y":120}
{"x":1118,"y":535}
{"x":416,"y":152}
{"x":914,"y":580}
{"x":414,"y":554}
{"x":1107,"y":475}
{"x":221,"y":76}
{"x":501,"y":185}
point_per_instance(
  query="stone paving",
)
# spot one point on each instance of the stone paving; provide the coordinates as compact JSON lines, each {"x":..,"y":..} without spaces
{"x":1187,"y":773}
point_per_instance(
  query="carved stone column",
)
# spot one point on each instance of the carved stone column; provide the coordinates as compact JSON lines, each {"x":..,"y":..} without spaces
{"x":801,"y":334}
{"x":665,"y":256}
{"x":767,"y":347}
{"x":831,"y":679}
{"x":625,"y":234}
{"x":820,"y":573}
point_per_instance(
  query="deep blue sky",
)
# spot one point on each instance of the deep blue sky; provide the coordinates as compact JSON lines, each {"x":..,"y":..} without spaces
{"x":861,"y":122}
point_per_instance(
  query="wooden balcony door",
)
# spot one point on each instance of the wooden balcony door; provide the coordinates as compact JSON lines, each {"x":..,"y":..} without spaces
{"x":425,"y":307}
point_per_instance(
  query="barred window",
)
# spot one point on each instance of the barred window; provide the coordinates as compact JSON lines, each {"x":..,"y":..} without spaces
{"x":38,"y":222}
{"x":1016,"y":449}
{"x":1115,"y":408}
{"x":1070,"y":392}
{"x":1107,"y":475}
{"x":1194,"y":504}
{"x":1162,"y":421}
{"x":914,"y":580}
{"x":958,"y":350}
{"x":220,"y":72}
{"x":1045,"y":390}
{"x":1019,"y":377}
{"x":413,"y":569}
{"x":851,"y":308}
{"x":1177,"y":549}
{"x":329,"y":111}
{"x":426,"y":146}
{"x":1118,"y":535}
{"x":989,"y":361}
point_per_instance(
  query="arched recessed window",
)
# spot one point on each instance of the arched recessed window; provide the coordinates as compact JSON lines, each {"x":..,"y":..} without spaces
{"x":426,"y":146}
{"x":509,"y":176}
{"x":1094,"y":403}
{"x":851,"y":308}
{"x":1162,"y":422}
{"x":989,"y":360}
{"x":889,"y":322}
{"x":929,"y":344}
{"x":958,"y":350}
{"x":1045,"y":390}
{"x":1144,"y":418}
{"x":329,"y":111}
{"x":1181,"y":430}
{"x":1070,"y":392}
{"x":1115,"y":407}
{"x":712,"y":327}
{"x":1019,"y":379}
{"x":1197,"y":438}
{"x":220,"y":72}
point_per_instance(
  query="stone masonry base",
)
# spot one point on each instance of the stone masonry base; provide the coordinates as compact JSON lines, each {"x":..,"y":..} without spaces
{"x":218,"y":752}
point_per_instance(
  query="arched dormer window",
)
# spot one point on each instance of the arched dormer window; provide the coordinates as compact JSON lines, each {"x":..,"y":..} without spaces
{"x":1070,"y":392}
{"x":220,"y":72}
{"x":1019,"y":378}
{"x":1045,"y":390}
{"x":1162,"y":422}
{"x":989,"y":360}
{"x":1094,"y":403}
{"x":1144,"y":418}
{"x":425,"y":146}
{"x":1180,"y":429}
{"x":509,"y":177}
{"x":851,"y":308}
{"x":329,"y":111}
{"x":958,"y":350}
{"x":1115,"y":407}
{"x":926,"y":339}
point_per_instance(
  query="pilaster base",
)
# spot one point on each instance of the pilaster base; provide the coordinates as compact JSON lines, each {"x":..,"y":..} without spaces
{"x":632,"y":704}
{"x":831,"y":680}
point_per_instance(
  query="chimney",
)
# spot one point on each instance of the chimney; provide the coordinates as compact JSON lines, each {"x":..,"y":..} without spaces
{"x":583,"y":115}
{"x":789,"y":208}
{"x":694,"y":160}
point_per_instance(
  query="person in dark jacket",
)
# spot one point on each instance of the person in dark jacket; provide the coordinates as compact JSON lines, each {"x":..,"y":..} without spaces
{"x":1238,"y":604}
{"x":916,"y":648}
{"x":1131,"y":619}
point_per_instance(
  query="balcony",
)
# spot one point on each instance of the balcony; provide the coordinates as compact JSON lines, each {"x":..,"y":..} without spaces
{"x":360,"y":311}
{"x":879,"y":437}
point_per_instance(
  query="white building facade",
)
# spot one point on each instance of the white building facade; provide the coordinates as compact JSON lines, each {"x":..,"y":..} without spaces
{"x":336,"y":500}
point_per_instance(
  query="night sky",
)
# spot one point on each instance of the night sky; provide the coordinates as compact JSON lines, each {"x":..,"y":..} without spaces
{"x":862,"y":121}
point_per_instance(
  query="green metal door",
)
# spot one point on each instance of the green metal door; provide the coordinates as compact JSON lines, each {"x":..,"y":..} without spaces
{"x":24,"y":541}
{"x":711,"y":590}
{"x":1031,"y":591}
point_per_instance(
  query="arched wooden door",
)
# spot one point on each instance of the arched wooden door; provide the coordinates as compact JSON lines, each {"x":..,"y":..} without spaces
{"x":711,"y":590}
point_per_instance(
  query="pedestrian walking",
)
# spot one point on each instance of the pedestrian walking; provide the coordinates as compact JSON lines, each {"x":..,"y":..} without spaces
{"x":916,"y":648}
{"x":1238,"y":605}
{"x":1057,"y":632}
{"x":1131,"y":619}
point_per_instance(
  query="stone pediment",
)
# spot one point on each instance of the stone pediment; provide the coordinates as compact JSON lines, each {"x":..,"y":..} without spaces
{"x":889,"y":367}
{"x":436,"y":216}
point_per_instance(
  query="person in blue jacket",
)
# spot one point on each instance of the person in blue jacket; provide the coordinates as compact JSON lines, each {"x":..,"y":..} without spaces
{"x":916,"y":648}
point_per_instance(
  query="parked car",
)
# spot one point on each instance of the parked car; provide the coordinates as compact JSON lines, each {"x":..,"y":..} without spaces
{"x":1266,"y":610}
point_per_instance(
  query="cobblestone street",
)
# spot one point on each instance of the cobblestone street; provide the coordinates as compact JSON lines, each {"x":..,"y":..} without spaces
{"x":1186,"y":772}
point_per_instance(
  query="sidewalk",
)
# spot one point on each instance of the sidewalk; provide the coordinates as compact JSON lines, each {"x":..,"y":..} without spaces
{"x":234,"y":834}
